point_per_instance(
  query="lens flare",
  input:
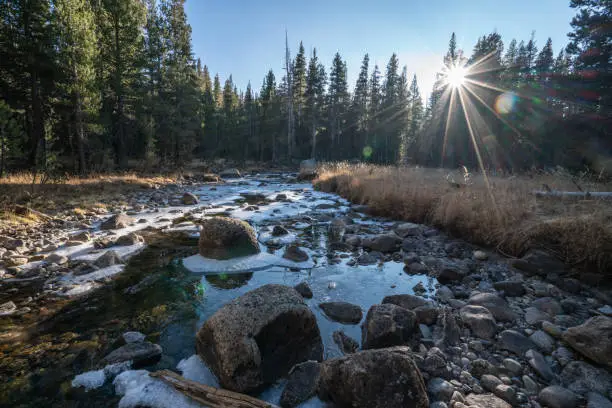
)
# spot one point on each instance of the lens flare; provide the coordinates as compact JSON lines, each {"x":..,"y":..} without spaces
{"x":367,"y":152}
{"x":455,"y":76}
{"x":505,"y":102}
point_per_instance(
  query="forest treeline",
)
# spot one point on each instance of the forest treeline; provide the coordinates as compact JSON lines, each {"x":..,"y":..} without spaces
{"x":93,"y":85}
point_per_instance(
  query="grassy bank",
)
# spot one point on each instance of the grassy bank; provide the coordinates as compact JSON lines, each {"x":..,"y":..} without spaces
{"x":499,"y":212}
{"x":78,"y":194}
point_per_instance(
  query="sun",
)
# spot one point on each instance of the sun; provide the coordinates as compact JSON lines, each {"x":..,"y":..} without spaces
{"x":455,"y":77}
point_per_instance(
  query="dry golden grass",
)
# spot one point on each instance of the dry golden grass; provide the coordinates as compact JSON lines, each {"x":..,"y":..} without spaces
{"x":78,"y":194}
{"x":502,"y":213}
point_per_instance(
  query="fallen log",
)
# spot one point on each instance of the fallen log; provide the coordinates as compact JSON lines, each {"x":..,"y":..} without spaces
{"x":578,"y":194}
{"x":209,"y":396}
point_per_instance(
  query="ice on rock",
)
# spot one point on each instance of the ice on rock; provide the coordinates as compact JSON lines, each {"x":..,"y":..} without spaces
{"x":95,"y":379}
{"x":194,"y":369}
{"x":261,"y":261}
{"x":138,"y":389}
{"x":90,"y":380}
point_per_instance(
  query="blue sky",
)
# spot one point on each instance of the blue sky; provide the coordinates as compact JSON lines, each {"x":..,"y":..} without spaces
{"x":245,"y":38}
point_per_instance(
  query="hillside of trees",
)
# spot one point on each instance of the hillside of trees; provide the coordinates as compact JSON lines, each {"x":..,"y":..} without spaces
{"x":95,"y":85}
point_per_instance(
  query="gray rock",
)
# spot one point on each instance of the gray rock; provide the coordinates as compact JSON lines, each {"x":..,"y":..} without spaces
{"x":555,"y":396}
{"x":543,"y":341}
{"x":490,"y":382}
{"x":496,"y":305}
{"x":507,"y":393}
{"x":302,"y":384}
{"x":279,"y":231}
{"x":141,"y":354}
{"x":548,"y":305}
{"x":438,"y":404}
{"x":539,"y":365}
{"x":304,"y":289}
{"x":592,"y":339}
{"x":534,"y":316}
{"x":480,"y":255}
{"x":406,"y":301}
{"x":366,"y":259}
{"x":230,"y":173}
{"x":427,"y":314}
{"x":449,"y":273}
{"x":82,"y":236}
{"x":485,"y":401}
{"x":444,"y":294}
{"x":510,"y":288}
{"x":8,"y":308}
{"x":563,"y":355}
{"x":107,"y":259}
{"x":552,"y":329}
{"x":346,"y":344}
{"x":408,"y":229}
{"x":133,"y":337}
{"x":531,"y":386}
{"x":56,"y":259}
{"x":581,"y":378}
{"x":295,"y":253}
{"x":130,"y":239}
{"x":446,"y":331}
{"x":515,"y":342}
{"x":389,"y":325}
{"x":480,"y":321}
{"x":382,"y":243}
{"x":537,"y":262}
{"x":117,"y":221}
{"x":440,"y":390}
{"x":596,"y":400}
{"x":380,"y":378}
{"x":514,"y":367}
{"x":189,"y":199}
{"x":256,"y":338}
{"x":342,"y":312}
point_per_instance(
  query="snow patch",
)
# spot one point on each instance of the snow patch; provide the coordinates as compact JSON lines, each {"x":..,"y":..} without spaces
{"x":194,"y":369}
{"x":138,"y":389}
{"x":91,"y":380}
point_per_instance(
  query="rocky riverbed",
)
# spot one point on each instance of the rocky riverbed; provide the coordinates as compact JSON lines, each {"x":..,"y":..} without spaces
{"x":388,"y":313}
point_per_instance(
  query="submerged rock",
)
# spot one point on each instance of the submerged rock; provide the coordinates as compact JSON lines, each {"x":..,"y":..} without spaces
{"x":225,"y":238}
{"x":258,"y":337}
{"x":140,"y":353}
{"x":382,"y":378}
{"x":342,"y":312}
{"x":592,"y":339}
{"x":295,"y":253}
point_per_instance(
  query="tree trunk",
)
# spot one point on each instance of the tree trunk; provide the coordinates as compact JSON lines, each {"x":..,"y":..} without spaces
{"x":209,"y":396}
{"x":80,"y":131}
{"x":314,"y":139}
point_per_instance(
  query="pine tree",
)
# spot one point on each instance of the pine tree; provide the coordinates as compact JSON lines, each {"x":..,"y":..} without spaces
{"x":372,"y":141}
{"x":402,"y":122}
{"x":121,"y":26}
{"x":391,"y":110}
{"x":299,"y":79}
{"x":77,"y":42}
{"x":337,"y":103}
{"x":416,"y":116}
{"x":545,"y":59}
{"x":591,"y":45}
{"x":359,"y":109}
{"x":289,"y":100}
{"x":269,"y":118}
{"x":315,"y":98}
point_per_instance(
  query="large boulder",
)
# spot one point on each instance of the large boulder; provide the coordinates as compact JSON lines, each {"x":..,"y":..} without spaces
{"x":258,"y":337}
{"x":592,"y":339}
{"x":389,"y":325}
{"x":496,"y":305}
{"x":224,"y":238}
{"x":381,"y":378}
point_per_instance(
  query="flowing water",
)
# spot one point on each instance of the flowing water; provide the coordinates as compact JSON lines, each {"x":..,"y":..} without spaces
{"x":157,"y":295}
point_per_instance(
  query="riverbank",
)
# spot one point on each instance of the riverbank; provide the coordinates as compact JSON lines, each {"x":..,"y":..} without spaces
{"x":498,"y":212}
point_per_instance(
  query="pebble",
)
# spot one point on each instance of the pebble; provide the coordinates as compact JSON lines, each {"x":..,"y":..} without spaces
{"x":513,"y":366}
